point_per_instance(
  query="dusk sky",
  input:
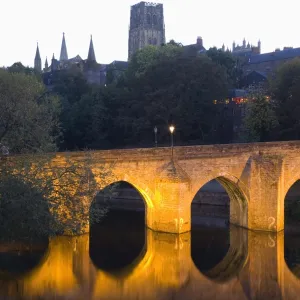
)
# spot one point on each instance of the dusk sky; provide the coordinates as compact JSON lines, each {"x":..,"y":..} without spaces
{"x":23,"y":23}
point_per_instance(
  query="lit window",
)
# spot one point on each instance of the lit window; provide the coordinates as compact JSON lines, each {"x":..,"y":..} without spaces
{"x":215,"y":101}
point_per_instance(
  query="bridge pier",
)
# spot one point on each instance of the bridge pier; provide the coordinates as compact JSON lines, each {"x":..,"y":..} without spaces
{"x":171,"y":211}
{"x":265,"y":185}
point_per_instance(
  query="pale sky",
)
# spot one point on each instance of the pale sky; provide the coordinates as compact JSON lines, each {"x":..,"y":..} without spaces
{"x":24,"y":22}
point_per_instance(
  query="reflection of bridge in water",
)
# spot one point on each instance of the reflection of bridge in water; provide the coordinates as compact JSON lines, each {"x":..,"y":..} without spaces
{"x":253,"y":268}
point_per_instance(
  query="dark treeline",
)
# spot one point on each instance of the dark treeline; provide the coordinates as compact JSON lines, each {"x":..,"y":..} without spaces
{"x":161,"y":86}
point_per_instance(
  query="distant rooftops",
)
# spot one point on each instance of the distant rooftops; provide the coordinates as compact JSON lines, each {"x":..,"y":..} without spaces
{"x":286,"y":53}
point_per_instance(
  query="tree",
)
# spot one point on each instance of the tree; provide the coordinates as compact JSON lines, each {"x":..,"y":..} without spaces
{"x":70,"y":85}
{"x":28,"y":116}
{"x":174,"y":89}
{"x":260,"y":119}
{"x":19,"y":68}
{"x":286,"y":92}
{"x":233,"y":65}
{"x":146,"y":57}
{"x":40,"y":198}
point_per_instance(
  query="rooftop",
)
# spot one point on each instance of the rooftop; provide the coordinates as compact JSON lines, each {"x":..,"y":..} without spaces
{"x":273,"y":56}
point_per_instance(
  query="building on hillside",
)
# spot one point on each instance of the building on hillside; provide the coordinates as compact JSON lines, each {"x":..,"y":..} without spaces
{"x":89,"y":66}
{"x":147,"y":26}
{"x":245,"y":49}
{"x":110,"y":73}
{"x":267,"y":63}
{"x":194,"y":49}
{"x":255,"y":78}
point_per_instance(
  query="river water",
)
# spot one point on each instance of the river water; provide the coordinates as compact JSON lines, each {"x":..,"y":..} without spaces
{"x":120,"y":259}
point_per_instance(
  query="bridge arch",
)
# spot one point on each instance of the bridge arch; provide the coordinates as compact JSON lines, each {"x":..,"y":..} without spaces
{"x":290,"y":202}
{"x":237,"y":192}
{"x":142,"y":187}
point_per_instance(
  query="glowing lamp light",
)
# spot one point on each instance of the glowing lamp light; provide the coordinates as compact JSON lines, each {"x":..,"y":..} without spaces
{"x":172,"y":128}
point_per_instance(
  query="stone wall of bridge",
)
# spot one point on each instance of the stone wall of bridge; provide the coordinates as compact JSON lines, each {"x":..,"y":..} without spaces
{"x":256,"y":177}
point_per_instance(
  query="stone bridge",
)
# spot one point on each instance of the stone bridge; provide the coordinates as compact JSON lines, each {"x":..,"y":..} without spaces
{"x":256,"y":177}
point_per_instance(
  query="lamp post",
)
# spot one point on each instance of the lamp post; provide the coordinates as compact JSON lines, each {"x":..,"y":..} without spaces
{"x":155,"y":136}
{"x":172,"y":128}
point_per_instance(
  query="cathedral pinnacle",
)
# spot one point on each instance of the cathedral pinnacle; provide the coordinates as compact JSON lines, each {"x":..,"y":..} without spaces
{"x":37,"y":59}
{"x":63,"y":51}
{"x":91,"y":54}
{"x":37,"y":54}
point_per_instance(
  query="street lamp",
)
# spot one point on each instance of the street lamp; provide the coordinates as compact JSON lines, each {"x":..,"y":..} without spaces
{"x":172,"y":128}
{"x":155,"y":134}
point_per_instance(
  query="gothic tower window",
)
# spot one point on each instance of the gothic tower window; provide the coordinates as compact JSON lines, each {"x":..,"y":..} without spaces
{"x":154,"y":20}
{"x":149,"y":41}
{"x":148,"y":19}
{"x":155,"y":41}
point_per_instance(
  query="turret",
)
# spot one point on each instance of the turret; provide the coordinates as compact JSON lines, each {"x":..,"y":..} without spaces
{"x":37,"y":60}
{"x":63,"y":51}
{"x":223,"y":47}
{"x":46,"y":63}
{"x":244,"y":43}
{"x":53,"y":63}
{"x":200,"y":41}
{"x":259,"y":46}
{"x":91,"y":54}
{"x":233,"y":46}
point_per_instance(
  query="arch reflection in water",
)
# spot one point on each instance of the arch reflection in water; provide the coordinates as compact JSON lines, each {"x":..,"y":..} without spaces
{"x":220,"y":254}
{"x":165,"y":271}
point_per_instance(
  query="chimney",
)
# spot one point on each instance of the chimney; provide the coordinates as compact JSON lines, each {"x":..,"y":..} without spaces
{"x":199,"y":41}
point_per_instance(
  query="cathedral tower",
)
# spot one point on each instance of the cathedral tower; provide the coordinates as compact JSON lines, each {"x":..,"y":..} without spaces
{"x":38,"y":60}
{"x":146,"y":26}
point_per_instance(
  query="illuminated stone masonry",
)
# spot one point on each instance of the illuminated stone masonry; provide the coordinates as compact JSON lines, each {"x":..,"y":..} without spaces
{"x":256,"y":177}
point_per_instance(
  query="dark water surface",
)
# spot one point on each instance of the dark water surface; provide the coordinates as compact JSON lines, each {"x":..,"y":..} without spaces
{"x":120,"y":259}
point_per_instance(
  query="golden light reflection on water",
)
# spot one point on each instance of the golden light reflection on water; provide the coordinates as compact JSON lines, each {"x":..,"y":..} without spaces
{"x":253,"y":268}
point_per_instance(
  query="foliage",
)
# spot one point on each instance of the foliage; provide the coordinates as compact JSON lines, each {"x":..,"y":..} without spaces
{"x":260,"y":119}
{"x":286,"y":93}
{"x":174,"y":89}
{"x":28,"y":116}
{"x":70,"y":85}
{"x":146,"y":57}
{"x":40,"y":196}
{"x":232,"y":64}
{"x":19,"y":68}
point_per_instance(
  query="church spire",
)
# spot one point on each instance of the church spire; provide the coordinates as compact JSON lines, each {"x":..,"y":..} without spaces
{"x":37,"y":59}
{"x":63,"y":51}
{"x":91,"y":54}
